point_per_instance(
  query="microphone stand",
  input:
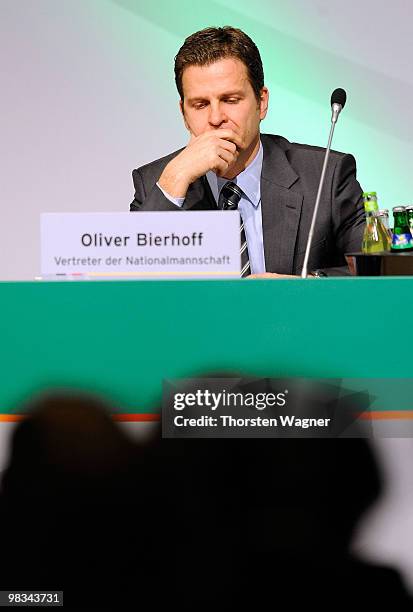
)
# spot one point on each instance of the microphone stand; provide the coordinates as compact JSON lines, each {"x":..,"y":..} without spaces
{"x":336,"y":108}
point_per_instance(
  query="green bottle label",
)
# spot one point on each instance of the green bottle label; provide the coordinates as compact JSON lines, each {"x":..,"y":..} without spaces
{"x":370,"y":204}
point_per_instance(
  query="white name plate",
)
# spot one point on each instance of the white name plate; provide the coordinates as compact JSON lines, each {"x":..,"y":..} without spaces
{"x":195,"y":244}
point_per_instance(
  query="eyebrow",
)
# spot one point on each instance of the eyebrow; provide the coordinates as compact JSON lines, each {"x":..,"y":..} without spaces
{"x":224,"y":95}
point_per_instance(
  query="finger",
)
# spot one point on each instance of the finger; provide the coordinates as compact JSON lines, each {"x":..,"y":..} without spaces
{"x":227,"y":156}
{"x":220,"y":166}
{"x":228,"y":146}
{"x":230,"y":135}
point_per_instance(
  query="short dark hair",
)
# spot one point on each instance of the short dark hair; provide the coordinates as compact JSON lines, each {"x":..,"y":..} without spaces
{"x":213,"y":44}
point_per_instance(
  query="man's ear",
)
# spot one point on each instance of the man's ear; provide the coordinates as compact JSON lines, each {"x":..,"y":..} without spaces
{"x":264,"y":97}
{"x":181,"y":108}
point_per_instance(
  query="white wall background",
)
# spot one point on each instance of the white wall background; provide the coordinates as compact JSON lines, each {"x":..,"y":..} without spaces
{"x":87,"y":94}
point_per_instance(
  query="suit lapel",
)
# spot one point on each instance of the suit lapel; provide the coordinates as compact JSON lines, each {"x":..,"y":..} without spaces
{"x":199,"y":196}
{"x":280,"y":207}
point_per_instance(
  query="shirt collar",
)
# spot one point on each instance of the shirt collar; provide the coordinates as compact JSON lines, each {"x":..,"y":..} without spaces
{"x":249,"y":180}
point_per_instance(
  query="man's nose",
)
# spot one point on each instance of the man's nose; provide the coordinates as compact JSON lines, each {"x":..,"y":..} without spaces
{"x":216,"y":114}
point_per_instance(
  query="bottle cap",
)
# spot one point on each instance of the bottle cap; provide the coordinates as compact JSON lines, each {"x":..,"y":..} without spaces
{"x":370,"y":201}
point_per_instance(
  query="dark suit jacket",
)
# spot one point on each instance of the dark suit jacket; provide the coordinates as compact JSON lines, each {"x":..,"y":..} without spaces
{"x":289,"y":182}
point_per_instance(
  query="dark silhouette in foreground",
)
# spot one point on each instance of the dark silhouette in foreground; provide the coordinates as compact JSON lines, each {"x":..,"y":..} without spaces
{"x":257,"y":522}
{"x":69,"y":506}
{"x":192,"y":524}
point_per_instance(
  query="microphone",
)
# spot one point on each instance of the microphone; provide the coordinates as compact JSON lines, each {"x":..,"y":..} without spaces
{"x":338,"y":101}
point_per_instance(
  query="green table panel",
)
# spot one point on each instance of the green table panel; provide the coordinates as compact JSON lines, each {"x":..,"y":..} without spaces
{"x":121,"y":339}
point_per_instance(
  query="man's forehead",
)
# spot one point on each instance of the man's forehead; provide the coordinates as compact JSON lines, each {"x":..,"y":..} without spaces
{"x":222,"y":76}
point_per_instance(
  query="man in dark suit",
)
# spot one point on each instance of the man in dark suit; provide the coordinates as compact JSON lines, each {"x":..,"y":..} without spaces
{"x":220,"y":79}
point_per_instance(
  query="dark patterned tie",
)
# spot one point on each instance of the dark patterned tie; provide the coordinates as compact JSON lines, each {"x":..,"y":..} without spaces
{"x":229,"y":199}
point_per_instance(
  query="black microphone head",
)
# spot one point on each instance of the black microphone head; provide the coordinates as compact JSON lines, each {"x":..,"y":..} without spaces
{"x":338,"y":96}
